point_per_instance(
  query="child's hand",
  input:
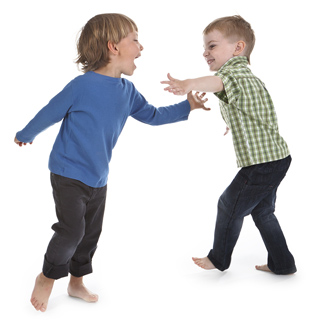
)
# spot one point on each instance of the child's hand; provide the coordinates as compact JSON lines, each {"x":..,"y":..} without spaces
{"x":196,"y":101}
{"x":176,"y":86}
{"x":20,"y":143}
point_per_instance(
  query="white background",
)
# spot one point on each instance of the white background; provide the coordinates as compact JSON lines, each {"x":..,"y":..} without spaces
{"x":164,"y":181}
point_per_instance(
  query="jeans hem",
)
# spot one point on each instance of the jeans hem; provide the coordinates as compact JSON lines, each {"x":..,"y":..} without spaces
{"x":216,"y":264}
{"x":285,"y":271}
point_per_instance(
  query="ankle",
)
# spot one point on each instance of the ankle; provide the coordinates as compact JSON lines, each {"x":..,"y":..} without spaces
{"x":43,"y":279}
{"x":75,"y":280}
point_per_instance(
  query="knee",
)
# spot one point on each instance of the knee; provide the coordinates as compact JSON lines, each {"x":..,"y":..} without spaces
{"x":223,"y":206}
{"x":72,"y":234}
{"x":77,"y":234}
{"x":264,"y":216}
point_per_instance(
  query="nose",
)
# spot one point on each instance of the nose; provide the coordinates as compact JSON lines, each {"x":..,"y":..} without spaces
{"x":141,"y":47}
{"x":205,"y":53}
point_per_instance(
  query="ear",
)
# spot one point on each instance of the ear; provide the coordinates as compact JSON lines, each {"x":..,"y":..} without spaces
{"x":240,"y":46}
{"x":112,"y":47}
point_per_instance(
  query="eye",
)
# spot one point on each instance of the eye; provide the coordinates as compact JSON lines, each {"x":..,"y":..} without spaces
{"x":212,"y":46}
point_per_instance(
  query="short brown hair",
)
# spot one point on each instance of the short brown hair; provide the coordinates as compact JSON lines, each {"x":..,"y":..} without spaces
{"x":92,"y":47}
{"x":237,"y":28}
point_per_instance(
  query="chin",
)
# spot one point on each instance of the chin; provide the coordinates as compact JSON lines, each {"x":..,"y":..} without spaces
{"x":214,"y":68}
{"x":130,"y":72}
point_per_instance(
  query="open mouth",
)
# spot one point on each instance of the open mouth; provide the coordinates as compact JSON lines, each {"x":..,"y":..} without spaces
{"x":210,"y":61}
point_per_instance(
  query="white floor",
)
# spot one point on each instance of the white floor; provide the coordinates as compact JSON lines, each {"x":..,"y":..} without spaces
{"x":164,"y":292}
{"x":164,"y":182}
{"x":149,"y":274}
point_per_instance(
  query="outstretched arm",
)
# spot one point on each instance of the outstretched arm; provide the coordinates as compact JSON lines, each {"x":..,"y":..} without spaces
{"x":53,"y":112}
{"x":204,"y":84}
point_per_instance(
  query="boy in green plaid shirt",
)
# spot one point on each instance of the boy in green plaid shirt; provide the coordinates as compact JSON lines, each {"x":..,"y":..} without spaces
{"x":249,"y":113}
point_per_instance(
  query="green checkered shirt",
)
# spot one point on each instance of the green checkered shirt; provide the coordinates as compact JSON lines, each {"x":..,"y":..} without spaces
{"x":248,"y":111}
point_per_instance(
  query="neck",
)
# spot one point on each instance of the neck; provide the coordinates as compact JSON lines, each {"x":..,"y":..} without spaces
{"x":109,"y":70}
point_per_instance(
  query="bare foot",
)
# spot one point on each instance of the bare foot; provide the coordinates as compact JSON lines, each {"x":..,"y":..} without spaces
{"x":204,"y":263}
{"x":41,"y":292}
{"x":264,"y":267}
{"x":77,"y":289}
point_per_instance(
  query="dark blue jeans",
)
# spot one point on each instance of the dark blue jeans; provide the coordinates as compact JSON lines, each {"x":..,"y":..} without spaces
{"x":253,"y":191}
{"x":80,"y":211}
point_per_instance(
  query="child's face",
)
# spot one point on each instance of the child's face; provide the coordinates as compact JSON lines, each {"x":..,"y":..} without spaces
{"x":218,"y":49}
{"x":129,"y":50}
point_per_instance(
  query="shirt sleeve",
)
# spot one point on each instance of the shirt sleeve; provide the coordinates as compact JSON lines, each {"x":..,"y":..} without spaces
{"x":147,"y":113}
{"x":53,"y":112}
{"x":231,"y":91}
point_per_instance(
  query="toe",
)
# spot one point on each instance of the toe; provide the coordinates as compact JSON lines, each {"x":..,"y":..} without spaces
{"x":43,"y":308}
{"x":94,"y":297}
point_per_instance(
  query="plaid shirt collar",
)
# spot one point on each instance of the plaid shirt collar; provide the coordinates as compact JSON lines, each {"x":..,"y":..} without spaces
{"x":239,"y":61}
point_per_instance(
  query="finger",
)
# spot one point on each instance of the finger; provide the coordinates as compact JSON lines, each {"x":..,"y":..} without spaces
{"x":173,"y":89}
{"x":205,"y":108}
{"x":199,"y":98}
{"x":170,"y":78}
{"x":177,"y":92}
{"x":169,"y":90}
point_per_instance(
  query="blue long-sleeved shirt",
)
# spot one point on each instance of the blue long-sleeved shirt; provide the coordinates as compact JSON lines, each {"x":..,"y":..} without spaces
{"x":94,"y":109}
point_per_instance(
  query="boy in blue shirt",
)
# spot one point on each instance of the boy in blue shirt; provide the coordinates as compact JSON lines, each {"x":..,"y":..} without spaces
{"x":94,"y":108}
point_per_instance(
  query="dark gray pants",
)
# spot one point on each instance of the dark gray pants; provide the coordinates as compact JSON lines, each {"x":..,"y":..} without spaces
{"x":80,"y":211}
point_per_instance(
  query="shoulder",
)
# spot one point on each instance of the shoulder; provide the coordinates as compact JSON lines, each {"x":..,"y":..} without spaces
{"x":232,"y":89}
{"x":128,"y":84}
{"x":77,"y":81}
{"x":83,"y":78}
{"x":230,"y":77}
{"x":130,"y":89}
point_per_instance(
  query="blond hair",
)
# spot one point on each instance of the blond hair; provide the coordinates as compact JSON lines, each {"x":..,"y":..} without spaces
{"x":235,"y":28}
{"x":92,"y":47}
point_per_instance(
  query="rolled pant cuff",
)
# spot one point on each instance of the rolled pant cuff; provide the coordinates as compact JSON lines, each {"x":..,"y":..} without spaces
{"x":216,"y":264}
{"x":54,"y":272}
{"x":284,"y":272}
{"x":80,"y":270}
